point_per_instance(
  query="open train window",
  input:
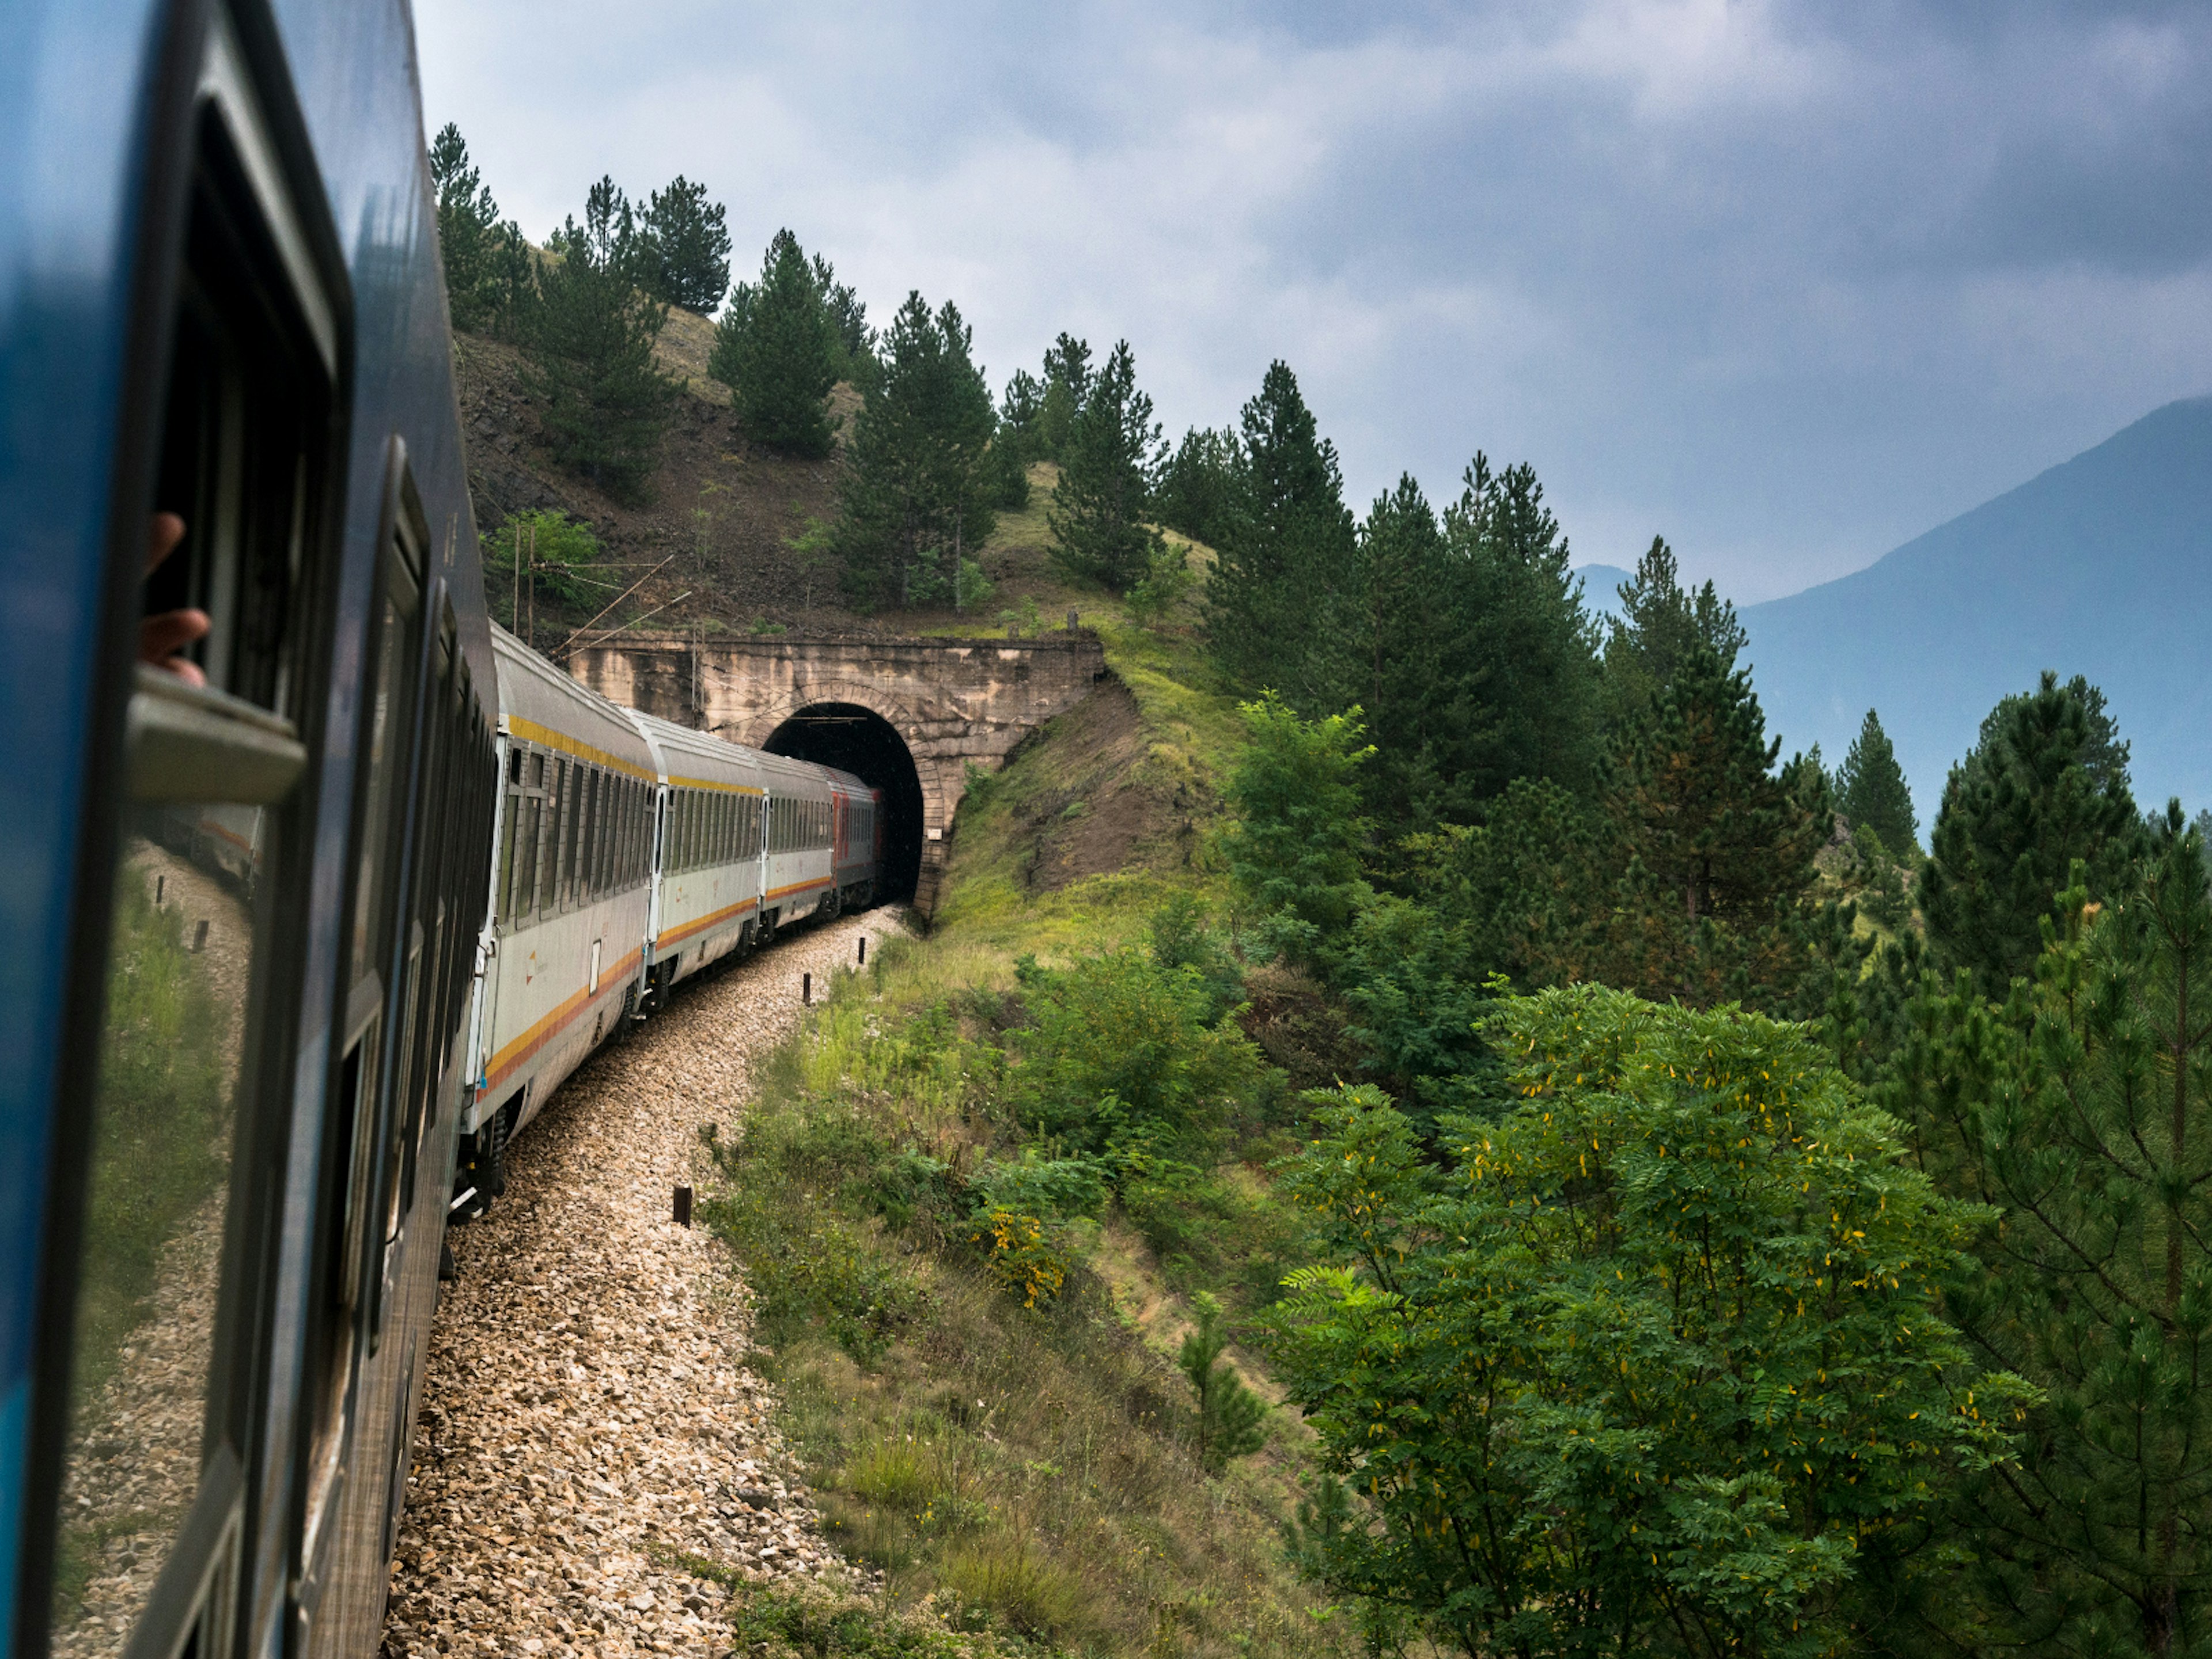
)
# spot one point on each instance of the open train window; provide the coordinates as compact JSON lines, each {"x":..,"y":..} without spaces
{"x":189,"y":1095}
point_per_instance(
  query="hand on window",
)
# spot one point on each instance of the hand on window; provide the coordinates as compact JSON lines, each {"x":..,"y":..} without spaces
{"x":161,"y":637}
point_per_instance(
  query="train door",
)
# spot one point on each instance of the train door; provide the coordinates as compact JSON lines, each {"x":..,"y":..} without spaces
{"x":153,"y":1487}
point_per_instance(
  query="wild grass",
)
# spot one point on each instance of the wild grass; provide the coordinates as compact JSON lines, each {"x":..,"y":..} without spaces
{"x":1032,"y":1465}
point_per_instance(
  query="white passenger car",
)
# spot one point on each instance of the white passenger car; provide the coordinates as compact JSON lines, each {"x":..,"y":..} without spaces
{"x":630,"y":854}
{"x":572,"y":887}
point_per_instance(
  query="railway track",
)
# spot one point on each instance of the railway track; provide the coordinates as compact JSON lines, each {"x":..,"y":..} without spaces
{"x":588,"y":1416}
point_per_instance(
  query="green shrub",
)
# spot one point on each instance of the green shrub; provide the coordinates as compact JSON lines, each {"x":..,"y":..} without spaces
{"x":1121,"y":1053}
{"x":1677,"y":1316}
{"x":1294,"y":847}
{"x":556,"y":554}
{"x":805,"y":1264}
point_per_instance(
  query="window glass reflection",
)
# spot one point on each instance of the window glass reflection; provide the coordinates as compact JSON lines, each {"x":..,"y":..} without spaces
{"x":180,"y":981}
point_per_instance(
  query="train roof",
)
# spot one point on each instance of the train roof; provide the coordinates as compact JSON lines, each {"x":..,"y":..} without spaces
{"x":702,"y":757}
{"x":539,"y":702}
{"x":684,"y":756}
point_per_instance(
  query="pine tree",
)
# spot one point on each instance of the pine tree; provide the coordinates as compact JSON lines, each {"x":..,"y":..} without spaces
{"x":1198,"y":485}
{"x":1113,"y":453}
{"x":915,"y":496}
{"x":1466,"y":643}
{"x":488,"y":265}
{"x":1020,"y":439}
{"x":1393,"y":652}
{"x":1283,"y":557}
{"x":684,"y":253}
{"x":1231,"y":1421}
{"x":1659,"y":624}
{"x":1714,"y":851}
{"x":2046,"y":784}
{"x":1871,"y":790}
{"x":1538,"y":643}
{"x":1066,"y":383}
{"x":2083,"y":1110}
{"x":848,"y":322}
{"x":776,"y":348}
{"x":591,"y":336}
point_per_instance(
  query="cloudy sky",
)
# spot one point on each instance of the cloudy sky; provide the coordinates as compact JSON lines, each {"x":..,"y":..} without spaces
{"x":1787,"y":282}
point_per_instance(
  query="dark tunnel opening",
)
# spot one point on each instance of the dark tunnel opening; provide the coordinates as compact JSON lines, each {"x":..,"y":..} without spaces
{"x":862,"y":742}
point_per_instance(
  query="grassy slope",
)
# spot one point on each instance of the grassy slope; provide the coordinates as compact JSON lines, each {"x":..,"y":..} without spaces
{"x":1028,"y":1466}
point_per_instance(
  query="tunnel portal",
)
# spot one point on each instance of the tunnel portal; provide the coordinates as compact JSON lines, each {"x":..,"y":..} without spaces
{"x":914,"y":717}
{"x":862,"y":742}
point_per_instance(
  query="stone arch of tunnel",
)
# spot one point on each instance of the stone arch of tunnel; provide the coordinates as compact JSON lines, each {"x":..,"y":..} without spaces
{"x":858,"y":740}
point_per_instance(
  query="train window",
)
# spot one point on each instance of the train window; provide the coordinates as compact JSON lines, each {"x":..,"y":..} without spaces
{"x":504,"y":887}
{"x":571,"y":779}
{"x":587,"y":833}
{"x":529,"y":825}
{"x":610,"y":795}
{"x":601,"y":800}
{"x":572,"y":835}
{"x":600,"y":808}
{"x":626,"y":834}
{"x":160,"y":1339}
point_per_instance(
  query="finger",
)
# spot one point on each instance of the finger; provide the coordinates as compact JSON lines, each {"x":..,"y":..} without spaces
{"x":160,"y":637}
{"x":162,"y":534}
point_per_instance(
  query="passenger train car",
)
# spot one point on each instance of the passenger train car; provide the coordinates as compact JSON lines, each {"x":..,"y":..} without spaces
{"x":314,"y":886}
{"x":632,"y":852}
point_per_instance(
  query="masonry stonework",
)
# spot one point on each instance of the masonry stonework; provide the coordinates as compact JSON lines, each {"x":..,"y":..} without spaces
{"x":955,"y":702}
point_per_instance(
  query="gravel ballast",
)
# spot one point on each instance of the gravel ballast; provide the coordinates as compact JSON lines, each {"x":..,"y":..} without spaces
{"x":588,"y":1416}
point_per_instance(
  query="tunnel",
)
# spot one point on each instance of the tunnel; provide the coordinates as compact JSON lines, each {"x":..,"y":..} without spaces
{"x":862,"y":742}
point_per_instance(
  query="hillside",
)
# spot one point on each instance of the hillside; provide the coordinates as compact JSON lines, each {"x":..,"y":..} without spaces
{"x":2102,"y":567}
{"x":722,"y":510}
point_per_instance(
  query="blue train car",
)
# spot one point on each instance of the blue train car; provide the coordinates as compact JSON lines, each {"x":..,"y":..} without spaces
{"x":247,"y":705}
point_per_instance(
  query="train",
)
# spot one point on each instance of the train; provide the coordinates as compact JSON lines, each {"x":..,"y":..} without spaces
{"x":317,"y":884}
{"x":631,"y":853}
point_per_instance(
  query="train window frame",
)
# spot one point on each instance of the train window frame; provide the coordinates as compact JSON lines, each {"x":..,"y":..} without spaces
{"x":226,"y":187}
{"x":344,"y":1295}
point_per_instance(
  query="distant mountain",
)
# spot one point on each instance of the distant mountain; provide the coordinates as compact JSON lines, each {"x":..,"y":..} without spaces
{"x":2100,"y":567}
{"x":1602,"y":588}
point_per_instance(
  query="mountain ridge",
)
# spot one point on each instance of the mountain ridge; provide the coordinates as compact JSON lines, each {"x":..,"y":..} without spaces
{"x":2100,"y":566}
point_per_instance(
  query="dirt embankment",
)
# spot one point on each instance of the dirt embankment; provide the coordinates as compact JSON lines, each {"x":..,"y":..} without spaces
{"x":721,"y":510}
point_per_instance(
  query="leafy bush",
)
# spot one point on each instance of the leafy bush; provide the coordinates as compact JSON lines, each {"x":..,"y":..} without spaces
{"x":1018,"y":1254}
{"x":1181,"y":939}
{"x":1658,"y":1352}
{"x":817,"y":1269}
{"x":553,"y":550}
{"x":1295,"y":849}
{"x":820,"y":1624}
{"x":1121,"y":1054}
{"x":1410,"y":978}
